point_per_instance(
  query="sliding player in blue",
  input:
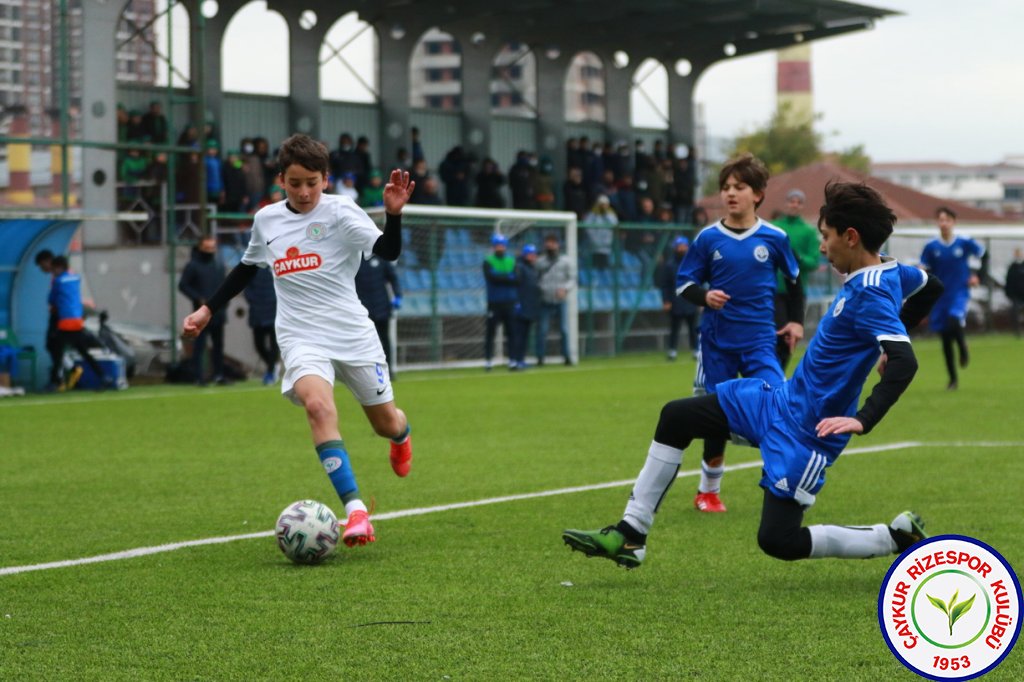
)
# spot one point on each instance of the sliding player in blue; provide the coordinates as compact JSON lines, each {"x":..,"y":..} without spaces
{"x":802,"y":425}
{"x":737,"y":258}
{"x":948,"y":257}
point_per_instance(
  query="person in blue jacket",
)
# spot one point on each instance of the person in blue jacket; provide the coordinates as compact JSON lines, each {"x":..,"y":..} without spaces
{"x":527,"y":309}
{"x":502,"y":294}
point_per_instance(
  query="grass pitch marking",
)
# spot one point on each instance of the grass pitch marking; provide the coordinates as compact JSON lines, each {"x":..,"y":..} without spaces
{"x":420,"y":511}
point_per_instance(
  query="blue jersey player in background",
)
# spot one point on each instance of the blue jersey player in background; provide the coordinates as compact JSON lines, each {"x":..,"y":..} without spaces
{"x":948,"y":258}
{"x":737,"y":258}
{"x":802,"y":425}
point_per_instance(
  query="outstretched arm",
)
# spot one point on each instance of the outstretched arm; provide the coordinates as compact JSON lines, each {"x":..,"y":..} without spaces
{"x":900,"y":368}
{"x":396,"y":195}
{"x":236,"y":280}
{"x":917,"y":307}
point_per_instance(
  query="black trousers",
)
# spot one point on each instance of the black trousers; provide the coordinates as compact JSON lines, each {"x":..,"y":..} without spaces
{"x":265,"y":341}
{"x":498,"y":314}
{"x":78,"y":341}
{"x":781,"y":533}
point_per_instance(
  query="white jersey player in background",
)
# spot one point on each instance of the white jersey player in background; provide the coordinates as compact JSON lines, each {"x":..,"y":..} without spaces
{"x":314,"y":244}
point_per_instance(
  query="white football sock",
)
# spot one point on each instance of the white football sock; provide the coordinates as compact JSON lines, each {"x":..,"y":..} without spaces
{"x":655,"y":478}
{"x":354,"y":505}
{"x":710,"y":478}
{"x":851,"y":542}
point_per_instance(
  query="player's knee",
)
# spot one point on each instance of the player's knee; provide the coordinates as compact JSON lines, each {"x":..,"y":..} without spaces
{"x":782,"y":544}
{"x":320,"y":410}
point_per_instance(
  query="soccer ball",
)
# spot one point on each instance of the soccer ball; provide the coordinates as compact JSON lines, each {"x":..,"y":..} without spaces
{"x":307,"y":532}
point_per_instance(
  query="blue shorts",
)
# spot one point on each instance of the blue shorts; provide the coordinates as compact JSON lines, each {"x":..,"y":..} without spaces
{"x":794,"y":462}
{"x":949,"y":307}
{"x":715,"y":366}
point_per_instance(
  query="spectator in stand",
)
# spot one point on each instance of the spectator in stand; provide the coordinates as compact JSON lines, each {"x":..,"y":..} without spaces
{"x":66,"y":307}
{"x":574,"y":157}
{"x":502,"y":292}
{"x":262,"y":312}
{"x":557,"y":279}
{"x":806,"y":245}
{"x":380,"y":293}
{"x":252,"y":169}
{"x":607,"y":187}
{"x":236,"y":200}
{"x":373,"y":193}
{"x":646,"y":212}
{"x":346,"y":187}
{"x":679,"y":310}
{"x":419,"y":174}
{"x":699,"y":218}
{"x":417,"y":146}
{"x":544,"y":188}
{"x":641,"y":167}
{"x":131,"y":173}
{"x":274,"y":195}
{"x":201,"y":277}
{"x":402,"y":160}
{"x":428,"y":250}
{"x":267,"y":160}
{"x":623,"y":161}
{"x":600,"y":223}
{"x":489,"y":182}
{"x":625,"y":200}
{"x":365,"y":162}
{"x":684,"y":181}
{"x":1015,"y":288}
{"x":343,"y":160}
{"x":136,"y":131}
{"x":522,"y":181}
{"x":528,"y":305}
{"x":593,"y":166}
{"x":214,"y":173}
{"x":574,"y":194}
{"x":154,"y":123}
{"x":454,"y":171}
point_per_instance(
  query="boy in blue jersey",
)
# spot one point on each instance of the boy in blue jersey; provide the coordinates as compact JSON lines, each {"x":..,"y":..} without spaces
{"x":802,"y":425}
{"x":947,"y":257}
{"x":738,"y":258}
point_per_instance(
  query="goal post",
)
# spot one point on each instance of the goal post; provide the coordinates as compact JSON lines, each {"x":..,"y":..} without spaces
{"x":442,"y":319}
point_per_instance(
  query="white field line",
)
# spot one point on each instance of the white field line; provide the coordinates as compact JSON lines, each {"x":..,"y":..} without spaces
{"x":420,"y":511}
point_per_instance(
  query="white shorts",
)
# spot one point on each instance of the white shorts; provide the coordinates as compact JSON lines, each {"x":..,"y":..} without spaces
{"x":369,"y":382}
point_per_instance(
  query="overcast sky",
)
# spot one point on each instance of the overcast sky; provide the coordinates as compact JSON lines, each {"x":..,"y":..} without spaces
{"x":945,"y":81}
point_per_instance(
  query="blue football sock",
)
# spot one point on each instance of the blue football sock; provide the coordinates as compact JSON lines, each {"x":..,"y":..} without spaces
{"x":335,"y":460}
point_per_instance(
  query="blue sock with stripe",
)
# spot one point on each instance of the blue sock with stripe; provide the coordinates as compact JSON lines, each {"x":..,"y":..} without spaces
{"x":335,"y":461}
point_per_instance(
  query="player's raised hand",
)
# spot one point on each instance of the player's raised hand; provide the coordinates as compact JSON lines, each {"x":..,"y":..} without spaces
{"x":196,"y":322}
{"x":792,"y":333}
{"x":716,"y":299}
{"x":398,"y":191}
{"x":834,"y":425}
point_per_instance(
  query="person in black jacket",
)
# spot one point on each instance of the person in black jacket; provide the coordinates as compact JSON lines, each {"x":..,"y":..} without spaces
{"x":201,"y":277}
{"x":262,"y":302}
{"x":678,"y":308}
{"x":527,"y":308}
{"x":372,"y":281}
{"x":1015,"y":287}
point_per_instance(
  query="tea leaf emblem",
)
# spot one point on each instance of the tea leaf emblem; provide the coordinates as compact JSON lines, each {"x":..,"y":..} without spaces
{"x":953,"y":610}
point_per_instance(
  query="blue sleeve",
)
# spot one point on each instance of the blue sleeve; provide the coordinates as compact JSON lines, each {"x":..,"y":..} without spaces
{"x":911,"y":279}
{"x":925,"y":258}
{"x":693,"y":269}
{"x":974,"y":248}
{"x":878,"y":316}
{"x":785,"y":259}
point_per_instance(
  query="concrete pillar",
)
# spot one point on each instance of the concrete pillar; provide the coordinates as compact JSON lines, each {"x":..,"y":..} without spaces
{"x":618,"y":86}
{"x":477,"y":61}
{"x":304,"y":70}
{"x":19,"y":160}
{"x":551,"y":128}
{"x":395,"y":52}
{"x":99,"y":172}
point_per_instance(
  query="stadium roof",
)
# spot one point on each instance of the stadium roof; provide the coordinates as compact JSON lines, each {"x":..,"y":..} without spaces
{"x":667,"y":30}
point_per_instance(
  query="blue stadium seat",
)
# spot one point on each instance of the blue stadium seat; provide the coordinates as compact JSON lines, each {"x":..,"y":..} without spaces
{"x":446,"y":279}
{"x":586,"y":277}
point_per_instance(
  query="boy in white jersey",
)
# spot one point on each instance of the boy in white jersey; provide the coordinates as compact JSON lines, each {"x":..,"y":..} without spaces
{"x":802,"y":425}
{"x":314,"y":244}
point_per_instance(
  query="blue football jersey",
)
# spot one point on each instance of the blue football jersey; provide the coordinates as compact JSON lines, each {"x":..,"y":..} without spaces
{"x":742,"y":265}
{"x":950,"y":263}
{"x":847,"y":344}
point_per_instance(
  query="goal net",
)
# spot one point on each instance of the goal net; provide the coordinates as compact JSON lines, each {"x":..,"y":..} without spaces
{"x":442,"y":318}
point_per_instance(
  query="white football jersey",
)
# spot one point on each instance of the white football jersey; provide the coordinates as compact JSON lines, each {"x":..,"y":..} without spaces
{"x":314,"y":257}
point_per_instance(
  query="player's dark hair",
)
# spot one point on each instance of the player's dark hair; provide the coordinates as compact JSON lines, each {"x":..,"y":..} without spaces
{"x":302,"y":149}
{"x":44,"y":255}
{"x":749,"y":169}
{"x":947,"y":210}
{"x":856,"y":205}
{"x":60,"y":263}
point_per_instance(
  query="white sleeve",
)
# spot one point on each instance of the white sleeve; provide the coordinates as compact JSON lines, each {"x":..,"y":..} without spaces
{"x":357,"y":226}
{"x":256,"y":251}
